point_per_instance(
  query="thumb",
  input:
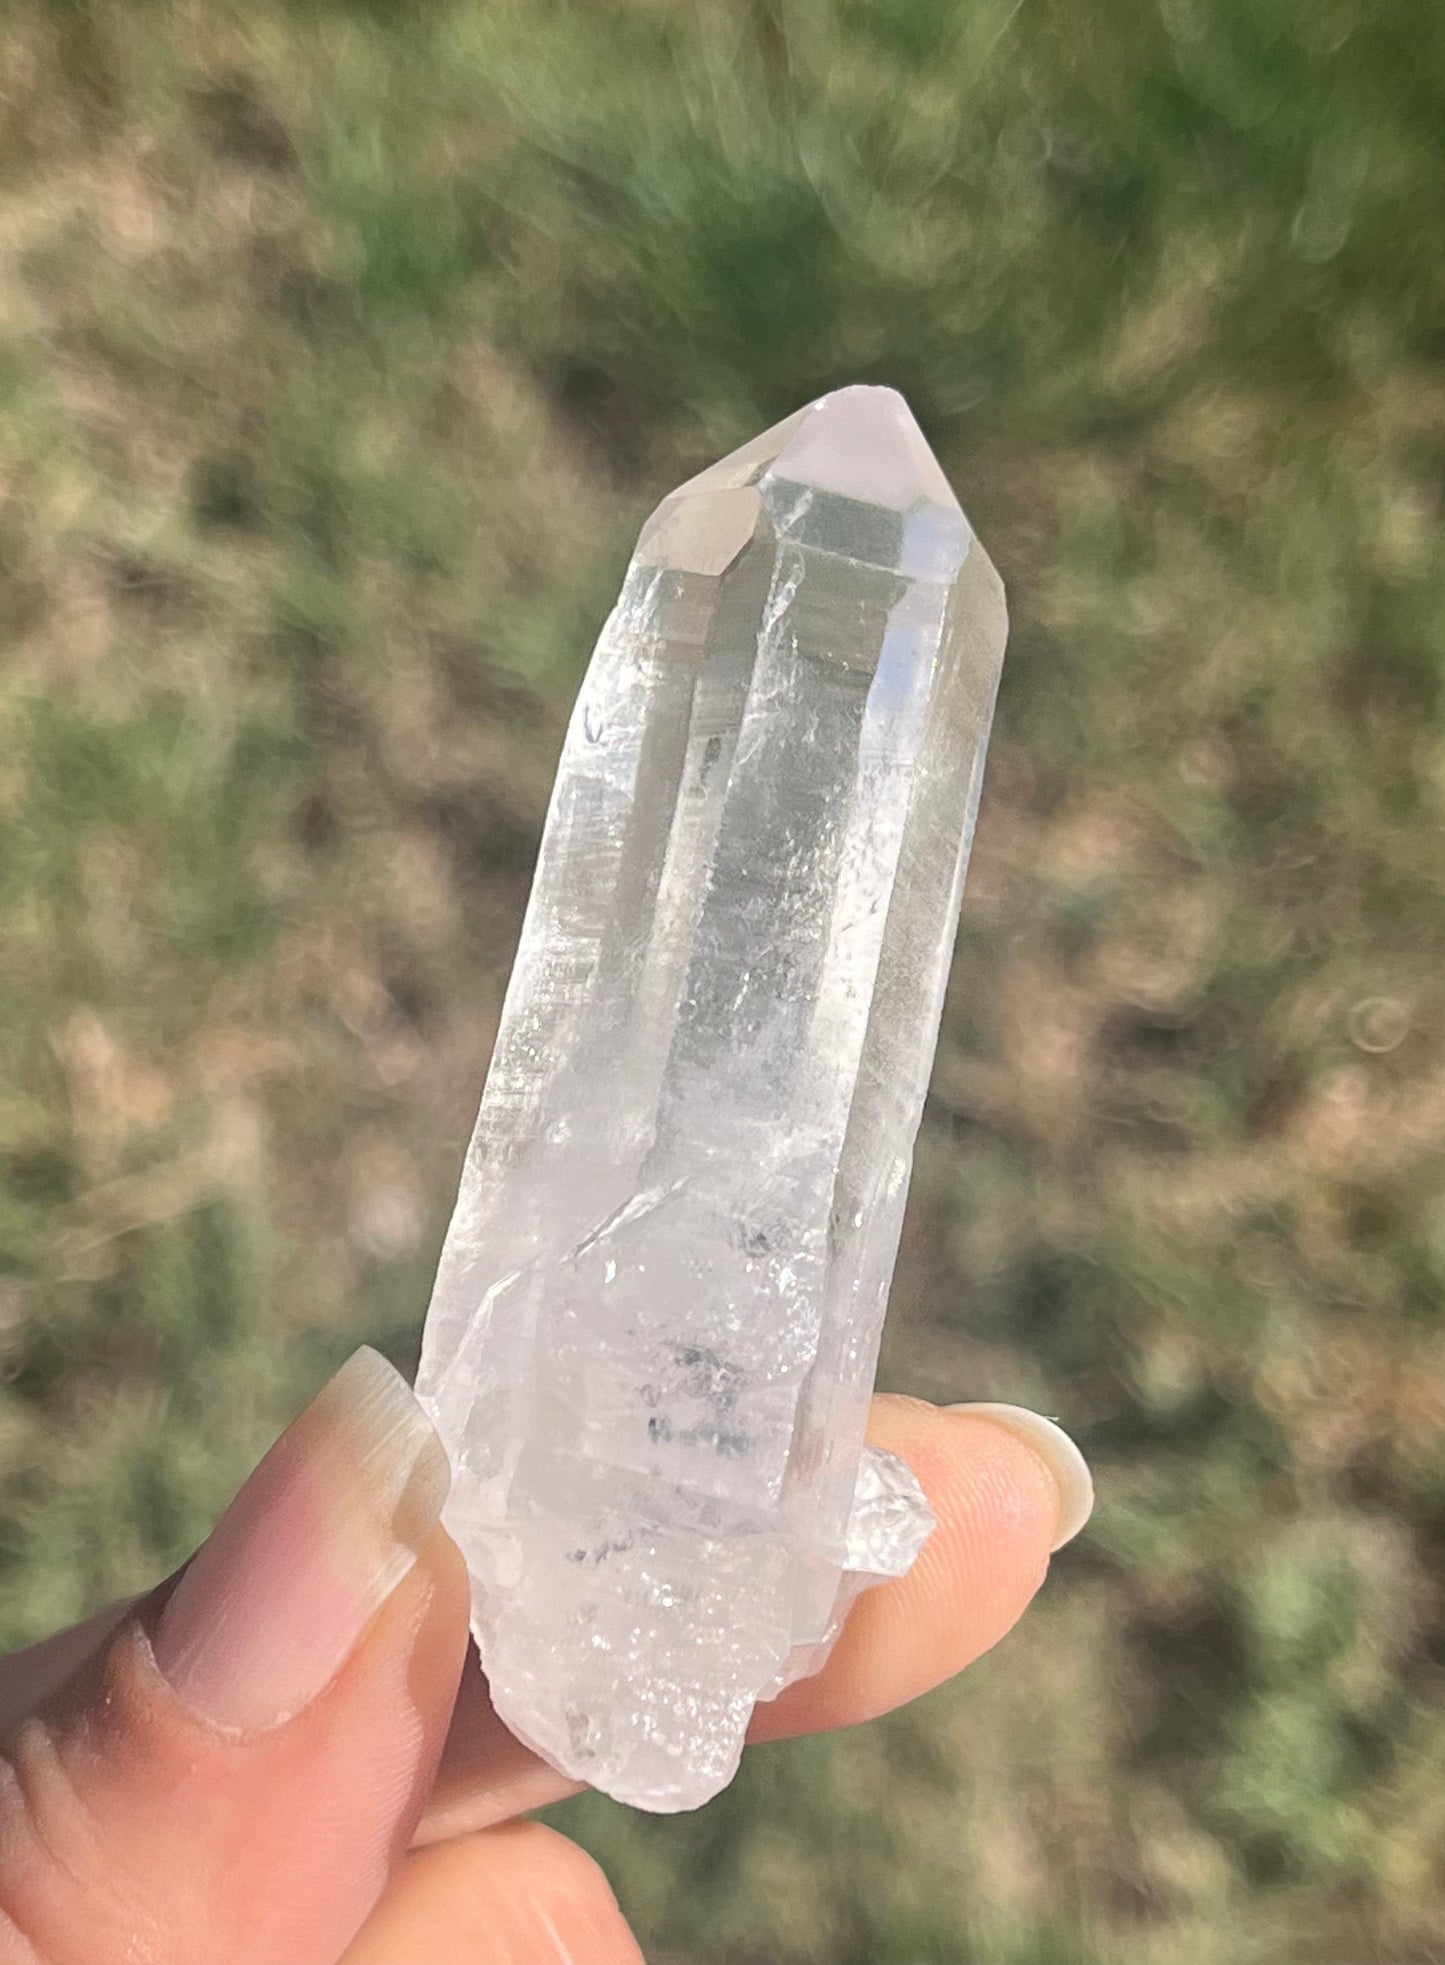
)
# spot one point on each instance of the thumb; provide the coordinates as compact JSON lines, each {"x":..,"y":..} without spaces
{"x":234,"y":1774}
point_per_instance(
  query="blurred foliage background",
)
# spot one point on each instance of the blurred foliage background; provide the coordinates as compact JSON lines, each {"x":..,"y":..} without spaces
{"x":343,"y":346}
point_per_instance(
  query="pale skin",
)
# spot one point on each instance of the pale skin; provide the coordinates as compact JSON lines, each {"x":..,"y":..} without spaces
{"x":284,"y":1755}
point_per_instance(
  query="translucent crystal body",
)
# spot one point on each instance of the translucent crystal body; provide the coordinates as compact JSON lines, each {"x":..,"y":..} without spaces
{"x":655,"y":1326}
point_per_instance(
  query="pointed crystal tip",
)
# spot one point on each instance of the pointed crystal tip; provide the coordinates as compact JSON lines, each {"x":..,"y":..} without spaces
{"x":863,"y":443}
{"x":860,"y":443}
{"x":857,"y":448}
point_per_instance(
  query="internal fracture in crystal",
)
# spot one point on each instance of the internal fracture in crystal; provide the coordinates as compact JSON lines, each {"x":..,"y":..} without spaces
{"x":656,"y":1322}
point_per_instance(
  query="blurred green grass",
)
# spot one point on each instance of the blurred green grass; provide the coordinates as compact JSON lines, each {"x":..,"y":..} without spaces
{"x":342,"y":349}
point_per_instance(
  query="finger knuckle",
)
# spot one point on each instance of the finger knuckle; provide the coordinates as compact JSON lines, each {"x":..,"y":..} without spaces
{"x":55,"y":1892}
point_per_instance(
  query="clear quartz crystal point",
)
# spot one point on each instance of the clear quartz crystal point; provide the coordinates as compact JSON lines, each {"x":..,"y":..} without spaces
{"x":654,"y":1331}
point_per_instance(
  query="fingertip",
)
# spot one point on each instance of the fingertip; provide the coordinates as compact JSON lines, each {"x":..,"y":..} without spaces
{"x":282,"y":1591}
{"x":997,"y":1504}
{"x":517,"y":1895}
{"x":1060,"y":1454}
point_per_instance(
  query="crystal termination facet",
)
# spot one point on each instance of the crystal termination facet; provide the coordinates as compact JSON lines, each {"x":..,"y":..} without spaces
{"x":656,"y":1322}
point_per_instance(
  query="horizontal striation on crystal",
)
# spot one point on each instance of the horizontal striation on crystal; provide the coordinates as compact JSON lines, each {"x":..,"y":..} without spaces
{"x":656,"y":1322}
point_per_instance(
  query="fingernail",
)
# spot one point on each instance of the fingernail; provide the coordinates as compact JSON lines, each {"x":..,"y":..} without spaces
{"x":1058,"y":1453}
{"x":271,"y":1607}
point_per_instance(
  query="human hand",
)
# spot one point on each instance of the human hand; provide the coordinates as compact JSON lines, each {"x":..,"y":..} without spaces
{"x":267,"y":1761}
